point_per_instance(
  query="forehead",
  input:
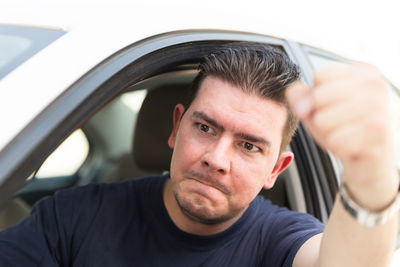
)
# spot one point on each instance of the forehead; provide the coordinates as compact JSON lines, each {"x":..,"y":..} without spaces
{"x":239,"y":110}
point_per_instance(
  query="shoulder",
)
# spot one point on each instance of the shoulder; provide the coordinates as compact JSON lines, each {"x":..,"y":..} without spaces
{"x":281,"y":215}
{"x":114,"y":191}
{"x":283,"y":231}
{"x":89,"y":200}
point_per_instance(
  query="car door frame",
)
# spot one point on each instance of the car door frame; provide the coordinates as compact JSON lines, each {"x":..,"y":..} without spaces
{"x":134,"y":63}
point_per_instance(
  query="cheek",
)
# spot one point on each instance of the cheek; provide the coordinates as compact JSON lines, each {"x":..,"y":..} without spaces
{"x":186,"y":152}
{"x":249,"y":178}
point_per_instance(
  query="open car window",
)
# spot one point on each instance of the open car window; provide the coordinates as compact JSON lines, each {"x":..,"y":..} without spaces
{"x":106,"y":106}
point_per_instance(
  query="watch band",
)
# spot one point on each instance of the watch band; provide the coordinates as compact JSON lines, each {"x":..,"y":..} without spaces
{"x":366,"y":217}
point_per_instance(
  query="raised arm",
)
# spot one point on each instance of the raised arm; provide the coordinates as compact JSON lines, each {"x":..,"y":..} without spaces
{"x":347,"y":112}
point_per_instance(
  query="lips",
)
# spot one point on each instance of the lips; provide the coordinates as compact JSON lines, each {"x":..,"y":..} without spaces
{"x":207,"y":181}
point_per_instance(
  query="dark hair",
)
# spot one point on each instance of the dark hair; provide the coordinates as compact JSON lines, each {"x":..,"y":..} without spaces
{"x":257,"y":69}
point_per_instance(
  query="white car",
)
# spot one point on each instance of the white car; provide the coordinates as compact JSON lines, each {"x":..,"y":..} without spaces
{"x":108,"y":92}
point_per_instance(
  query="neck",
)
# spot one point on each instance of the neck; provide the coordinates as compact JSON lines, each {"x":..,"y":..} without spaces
{"x":187,"y":224}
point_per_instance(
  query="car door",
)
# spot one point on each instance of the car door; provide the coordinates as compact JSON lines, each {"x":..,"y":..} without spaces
{"x":79,"y":106}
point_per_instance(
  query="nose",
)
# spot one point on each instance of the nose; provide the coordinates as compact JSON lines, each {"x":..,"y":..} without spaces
{"x":218,"y":156}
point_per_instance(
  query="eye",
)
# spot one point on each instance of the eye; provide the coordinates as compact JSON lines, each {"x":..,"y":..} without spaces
{"x":250,"y":147}
{"x":204,"y":128}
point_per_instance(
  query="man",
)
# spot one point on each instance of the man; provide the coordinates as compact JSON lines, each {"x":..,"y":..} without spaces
{"x":228,"y":143}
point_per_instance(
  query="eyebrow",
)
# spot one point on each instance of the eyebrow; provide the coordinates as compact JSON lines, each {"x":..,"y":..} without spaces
{"x":214,"y":123}
{"x":201,"y":115}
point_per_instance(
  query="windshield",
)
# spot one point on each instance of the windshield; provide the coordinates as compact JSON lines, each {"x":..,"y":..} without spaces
{"x":18,"y":44}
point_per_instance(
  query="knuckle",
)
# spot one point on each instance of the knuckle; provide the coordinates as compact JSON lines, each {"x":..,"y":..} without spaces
{"x":364,"y":68}
{"x":376,"y":124}
{"x":377,"y":82}
{"x":334,"y":144}
{"x":369,"y":67}
{"x":331,"y":143}
{"x":319,"y":122}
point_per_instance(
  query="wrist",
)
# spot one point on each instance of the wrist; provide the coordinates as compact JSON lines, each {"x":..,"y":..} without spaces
{"x":365,"y":216}
{"x":373,"y":191}
{"x":373,"y":214}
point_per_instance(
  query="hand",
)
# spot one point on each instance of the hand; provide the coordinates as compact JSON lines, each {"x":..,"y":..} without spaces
{"x":347,"y":112}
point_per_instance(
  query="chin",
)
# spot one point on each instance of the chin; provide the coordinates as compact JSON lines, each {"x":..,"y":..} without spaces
{"x":197,"y":211}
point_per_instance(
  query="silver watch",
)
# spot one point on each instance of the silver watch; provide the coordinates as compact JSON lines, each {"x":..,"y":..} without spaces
{"x":366,"y":217}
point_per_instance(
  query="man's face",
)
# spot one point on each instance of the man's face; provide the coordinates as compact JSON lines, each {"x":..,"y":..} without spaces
{"x":226,"y":148}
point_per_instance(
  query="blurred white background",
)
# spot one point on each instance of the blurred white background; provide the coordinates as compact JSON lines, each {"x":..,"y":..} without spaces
{"x":359,"y":29}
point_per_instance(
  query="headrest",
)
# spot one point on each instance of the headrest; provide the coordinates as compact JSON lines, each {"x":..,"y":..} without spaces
{"x":153,"y":127}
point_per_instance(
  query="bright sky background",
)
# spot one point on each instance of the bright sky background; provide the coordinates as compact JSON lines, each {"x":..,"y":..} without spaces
{"x":359,"y":29}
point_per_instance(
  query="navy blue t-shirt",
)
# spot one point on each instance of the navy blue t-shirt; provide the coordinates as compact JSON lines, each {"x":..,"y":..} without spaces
{"x":126,"y":224}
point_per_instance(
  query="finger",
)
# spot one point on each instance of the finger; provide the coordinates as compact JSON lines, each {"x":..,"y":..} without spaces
{"x":332,"y":92}
{"x":331,"y":72}
{"x":299,"y":99}
{"x":355,"y":109}
{"x":343,"y":70}
{"x":315,"y":133}
{"x":359,"y":83}
{"x":354,"y":141}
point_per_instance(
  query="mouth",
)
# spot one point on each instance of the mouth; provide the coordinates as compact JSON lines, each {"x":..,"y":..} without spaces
{"x":207,"y":181}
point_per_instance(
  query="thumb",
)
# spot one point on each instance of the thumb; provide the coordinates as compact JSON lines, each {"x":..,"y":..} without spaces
{"x":300,"y":101}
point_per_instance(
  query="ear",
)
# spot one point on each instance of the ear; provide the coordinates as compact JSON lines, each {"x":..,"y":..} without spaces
{"x":282,"y":163}
{"x":177,"y":115}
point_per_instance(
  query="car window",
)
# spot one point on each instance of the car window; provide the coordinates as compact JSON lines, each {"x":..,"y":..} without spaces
{"x":94,"y":90}
{"x":18,"y":44}
{"x":134,"y":99}
{"x":67,"y":158}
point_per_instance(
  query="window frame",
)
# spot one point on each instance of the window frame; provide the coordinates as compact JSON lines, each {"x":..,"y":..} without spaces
{"x":111,"y":77}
